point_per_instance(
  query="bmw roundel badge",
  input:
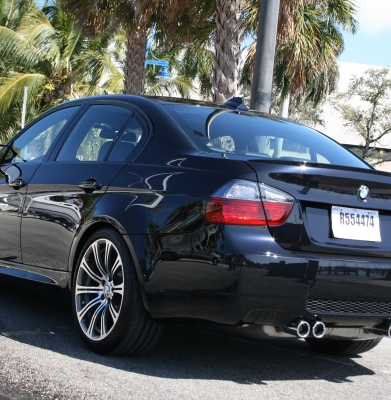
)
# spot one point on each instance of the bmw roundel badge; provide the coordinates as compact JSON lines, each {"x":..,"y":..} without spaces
{"x":363,"y":192}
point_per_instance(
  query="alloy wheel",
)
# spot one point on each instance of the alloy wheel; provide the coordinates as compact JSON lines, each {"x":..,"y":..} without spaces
{"x":99,"y":289}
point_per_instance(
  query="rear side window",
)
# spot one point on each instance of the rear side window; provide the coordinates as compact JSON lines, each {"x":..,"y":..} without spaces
{"x":256,"y":135}
{"x":94,"y":135}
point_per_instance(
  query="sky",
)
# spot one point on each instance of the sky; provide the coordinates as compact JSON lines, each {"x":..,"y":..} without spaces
{"x":371,"y":44}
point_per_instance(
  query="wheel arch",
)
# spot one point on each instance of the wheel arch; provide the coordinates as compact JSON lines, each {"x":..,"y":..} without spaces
{"x":86,"y":231}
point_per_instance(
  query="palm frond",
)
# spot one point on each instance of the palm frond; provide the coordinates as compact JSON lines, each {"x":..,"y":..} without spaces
{"x":72,"y":43}
{"x":12,"y":88}
{"x":95,"y":68}
{"x":115,"y":84}
{"x":11,"y":47}
{"x":38,"y":33}
{"x":342,"y":14}
{"x":11,"y":12}
{"x":179,"y":86}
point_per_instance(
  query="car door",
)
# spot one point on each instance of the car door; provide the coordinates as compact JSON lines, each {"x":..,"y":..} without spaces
{"x":20,"y":160}
{"x":65,"y":189}
{"x":10,"y":203}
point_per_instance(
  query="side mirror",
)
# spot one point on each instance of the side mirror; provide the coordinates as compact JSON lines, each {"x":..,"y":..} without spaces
{"x":8,"y":153}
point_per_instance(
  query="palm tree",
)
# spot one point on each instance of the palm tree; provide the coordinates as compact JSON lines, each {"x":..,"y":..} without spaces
{"x":11,"y":13}
{"x":53,"y":60}
{"x":212,"y":33}
{"x":194,"y":34}
{"x":197,"y":65}
{"x":307,"y":28}
{"x":136,"y":17}
{"x":309,"y":43}
{"x":227,"y":54}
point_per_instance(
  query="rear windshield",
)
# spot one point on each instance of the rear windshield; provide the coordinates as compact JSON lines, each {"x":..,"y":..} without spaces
{"x":258,"y":136}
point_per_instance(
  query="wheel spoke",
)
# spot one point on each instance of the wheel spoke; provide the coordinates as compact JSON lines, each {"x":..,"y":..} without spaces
{"x":79,"y":290}
{"x":117,"y":264}
{"x":87,"y":307}
{"x":103,"y":322}
{"x":119,"y":289}
{"x":94,"y":318}
{"x":113,"y":312}
{"x":90,"y":272}
{"x":98,"y":259}
{"x":107,"y":255}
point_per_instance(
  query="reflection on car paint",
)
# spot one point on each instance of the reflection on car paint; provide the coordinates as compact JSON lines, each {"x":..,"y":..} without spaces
{"x":159,"y":196}
{"x":54,"y":208}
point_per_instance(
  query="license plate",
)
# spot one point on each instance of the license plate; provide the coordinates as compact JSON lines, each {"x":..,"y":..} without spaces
{"x":355,"y":224}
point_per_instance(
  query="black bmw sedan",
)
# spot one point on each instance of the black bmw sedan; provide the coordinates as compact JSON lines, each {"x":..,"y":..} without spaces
{"x":153,"y":210}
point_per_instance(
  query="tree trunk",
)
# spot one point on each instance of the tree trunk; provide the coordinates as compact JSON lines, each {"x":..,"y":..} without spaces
{"x":135,"y":61}
{"x":226,"y":61}
{"x":366,"y":148}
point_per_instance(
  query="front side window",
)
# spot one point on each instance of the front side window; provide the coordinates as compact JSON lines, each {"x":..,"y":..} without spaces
{"x":255,"y":135}
{"x":94,"y":135}
{"x":35,"y":142}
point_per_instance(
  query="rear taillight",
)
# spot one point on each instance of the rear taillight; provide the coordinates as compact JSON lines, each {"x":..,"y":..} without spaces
{"x":248,"y":203}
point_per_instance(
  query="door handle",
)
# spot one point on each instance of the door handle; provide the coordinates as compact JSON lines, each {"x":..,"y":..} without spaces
{"x":90,"y":185}
{"x":18,"y":183}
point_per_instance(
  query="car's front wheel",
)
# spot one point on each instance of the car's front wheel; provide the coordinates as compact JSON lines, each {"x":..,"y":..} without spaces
{"x":106,"y":298}
{"x":343,"y":347}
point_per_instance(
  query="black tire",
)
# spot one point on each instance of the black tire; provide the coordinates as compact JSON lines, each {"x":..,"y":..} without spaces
{"x":343,"y":347}
{"x":106,"y":299}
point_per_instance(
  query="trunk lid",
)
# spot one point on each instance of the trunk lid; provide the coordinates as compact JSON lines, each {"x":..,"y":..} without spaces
{"x":354,"y":230}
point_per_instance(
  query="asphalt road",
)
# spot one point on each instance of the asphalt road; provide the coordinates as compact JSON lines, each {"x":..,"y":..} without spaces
{"x":41,"y":357}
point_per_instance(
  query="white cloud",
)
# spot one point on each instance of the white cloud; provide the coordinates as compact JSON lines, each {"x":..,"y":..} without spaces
{"x":374,"y":15}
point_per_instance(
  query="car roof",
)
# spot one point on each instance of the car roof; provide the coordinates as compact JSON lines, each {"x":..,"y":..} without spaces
{"x":143,"y":100}
{"x":162,"y":100}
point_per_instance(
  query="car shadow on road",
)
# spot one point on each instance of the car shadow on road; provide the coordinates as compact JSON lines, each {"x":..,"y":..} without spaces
{"x":184,"y":352}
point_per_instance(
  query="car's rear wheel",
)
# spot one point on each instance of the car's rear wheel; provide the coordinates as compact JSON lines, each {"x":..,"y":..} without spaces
{"x":106,"y":298}
{"x":343,"y":347}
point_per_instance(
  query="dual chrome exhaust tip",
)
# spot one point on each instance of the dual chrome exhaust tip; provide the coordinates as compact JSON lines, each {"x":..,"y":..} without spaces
{"x":313,"y":329}
{"x":317,"y":329}
{"x":304,"y":329}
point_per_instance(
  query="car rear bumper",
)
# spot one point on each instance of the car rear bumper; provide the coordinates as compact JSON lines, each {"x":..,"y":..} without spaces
{"x":255,"y":281}
{"x":272,"y":290}
{"x":336,"y":291}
